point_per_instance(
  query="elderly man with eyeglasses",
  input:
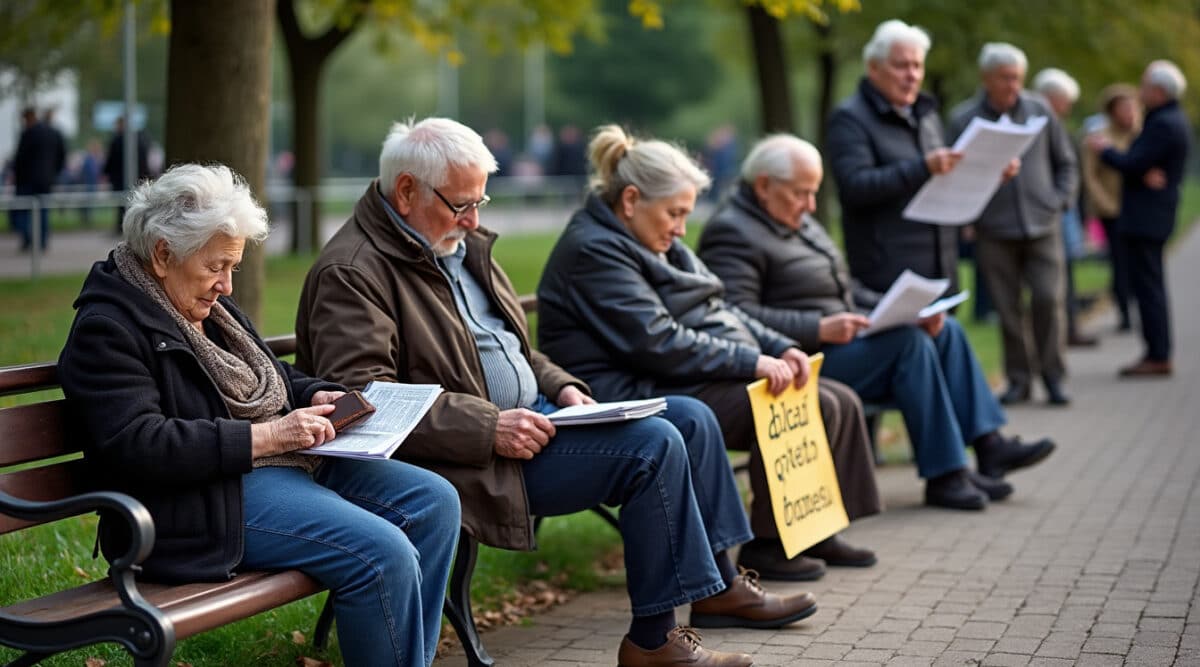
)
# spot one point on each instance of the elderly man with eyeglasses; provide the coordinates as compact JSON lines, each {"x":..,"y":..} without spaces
{"x":407,"y":291}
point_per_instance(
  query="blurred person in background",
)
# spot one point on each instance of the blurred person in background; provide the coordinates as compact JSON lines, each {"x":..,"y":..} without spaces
{"x":39,"y":160}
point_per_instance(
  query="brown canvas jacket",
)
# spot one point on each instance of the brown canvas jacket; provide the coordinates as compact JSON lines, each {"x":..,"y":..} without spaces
{"x":375,"y":306}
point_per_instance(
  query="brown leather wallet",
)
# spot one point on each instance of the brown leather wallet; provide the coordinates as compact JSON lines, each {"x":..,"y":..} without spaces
{"x":350,"y":409}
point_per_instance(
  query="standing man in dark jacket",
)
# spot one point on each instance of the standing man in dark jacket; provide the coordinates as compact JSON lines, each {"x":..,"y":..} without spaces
{"x":41,"y":154}
{"x":114,"y":164}
{"x":884,"y":143}
{"x":1152,"y":170}
{"x":1019,"y":236}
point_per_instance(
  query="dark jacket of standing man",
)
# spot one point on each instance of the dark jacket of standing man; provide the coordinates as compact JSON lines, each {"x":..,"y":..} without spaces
{"x":884,"y":143}
{"x":41,"y":154}
{"x":1152,"y":171}
{"x":1019,"y":240}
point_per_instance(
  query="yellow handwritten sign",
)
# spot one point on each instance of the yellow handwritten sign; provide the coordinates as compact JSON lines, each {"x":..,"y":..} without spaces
{"x":804,"y":488}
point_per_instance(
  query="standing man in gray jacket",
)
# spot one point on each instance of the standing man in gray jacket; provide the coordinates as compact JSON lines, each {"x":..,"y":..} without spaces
{"x":1019,"y":240}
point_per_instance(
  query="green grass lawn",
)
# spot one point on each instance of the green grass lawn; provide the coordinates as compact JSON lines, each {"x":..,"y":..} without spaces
{"x":34,"y":324}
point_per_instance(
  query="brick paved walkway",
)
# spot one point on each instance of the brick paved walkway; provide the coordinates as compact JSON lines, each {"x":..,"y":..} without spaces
{"x":1094,"y":561}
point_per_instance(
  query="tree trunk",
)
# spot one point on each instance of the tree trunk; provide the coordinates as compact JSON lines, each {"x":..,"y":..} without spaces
{"x":218,"y":101}
{"x":775,"y":99}
{"x":306,"y":61}
{"x":827,"y":75}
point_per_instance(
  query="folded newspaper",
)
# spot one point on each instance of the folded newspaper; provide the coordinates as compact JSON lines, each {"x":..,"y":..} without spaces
{"x":599,"y":413}
{"x":398,"y":408}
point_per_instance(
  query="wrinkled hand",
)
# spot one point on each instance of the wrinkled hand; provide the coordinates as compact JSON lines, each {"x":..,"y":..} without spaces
{"x":521,"y":433}
{"x":1097,"y":142}
{"x":842,"y":327}
{"x":572,"y":395}
{"x":799,"y":363}
{"x":298,"y":429}
{"x":942,"y":160}
{"x":933,"y":324}
{"x":1155,"y":179}
{"x":326,"y":397}
{"x":1010,"y":172}
{"x":777,"y":372}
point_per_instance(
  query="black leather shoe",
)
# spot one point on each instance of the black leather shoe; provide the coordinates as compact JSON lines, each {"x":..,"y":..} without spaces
{"x":994,"y":489}
{"x":998,"y":455}
{"x":1082,"y":340}
{"x":769,"y":560}
{"x":1016,"y":393}
{"x":955,"y":491}
{"x":836,"y":552}
{"x":1055,"y":394}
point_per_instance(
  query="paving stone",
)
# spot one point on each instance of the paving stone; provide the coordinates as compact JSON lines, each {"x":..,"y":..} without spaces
{"x":1106,"y":645}
{"x":1172,"y":625}
{"x":909,"y":661}
{"x":1005,"y":660}
{"x":1149,"y":655}
{"x":959,"y":658}
{"x":972,"y":645}
{"x":1149,"y":638}
{"x":876,"y":655}
{"x":827,"y":651}
{"x":1166,"y":609}
{"x":922,"y":648}
{"x":981,"y":630}
{"x":1099,"y":660}
{"x":1039,"y":661}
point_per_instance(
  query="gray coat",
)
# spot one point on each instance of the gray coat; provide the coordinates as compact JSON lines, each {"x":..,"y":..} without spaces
{"x":786,"y":278}
{"x":1030,"y":205}
{"x":877,"y":158}
{"x":634,"y":324}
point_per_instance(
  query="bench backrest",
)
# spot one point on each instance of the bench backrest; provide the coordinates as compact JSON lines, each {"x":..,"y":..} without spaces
{"x":37,"y":460}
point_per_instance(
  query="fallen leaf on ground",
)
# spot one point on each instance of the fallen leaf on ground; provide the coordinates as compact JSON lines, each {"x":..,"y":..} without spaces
{"x":305,"y":661}
{"x":94,"y":662}
{"x":298,"y":637}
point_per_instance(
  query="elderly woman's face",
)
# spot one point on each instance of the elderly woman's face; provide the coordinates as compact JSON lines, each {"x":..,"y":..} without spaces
{"x":656,"y":223}
{"x":193,"y":283}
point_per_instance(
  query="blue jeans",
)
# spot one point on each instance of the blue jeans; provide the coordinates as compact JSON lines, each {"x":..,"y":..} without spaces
{"x":20,"y":219}
{"x":936,"y":382}
{"x":379,"y":534}
{"x":679,"y":503}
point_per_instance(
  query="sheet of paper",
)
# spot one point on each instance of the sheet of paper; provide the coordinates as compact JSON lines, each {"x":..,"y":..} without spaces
{"x":959,"y":196}
{"x":903,"y":302}
{"x":942,"y":305}
{"x":398,"y":408}
{"x":600,"y":413}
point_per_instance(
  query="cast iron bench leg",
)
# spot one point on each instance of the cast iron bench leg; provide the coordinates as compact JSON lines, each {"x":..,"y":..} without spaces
{"x":458,"y":602}
{"x":324,"y":624}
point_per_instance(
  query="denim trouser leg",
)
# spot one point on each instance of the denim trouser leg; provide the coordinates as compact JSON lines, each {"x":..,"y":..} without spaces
{"x":901,"y":365}
{"x":379,"y":534}
{"x":978,"y":411}
{"x":643,"y":467}
{"x":712,"y":478}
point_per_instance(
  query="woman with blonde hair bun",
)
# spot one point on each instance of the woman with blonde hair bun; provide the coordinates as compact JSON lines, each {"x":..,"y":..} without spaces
{"x":624,"y":304}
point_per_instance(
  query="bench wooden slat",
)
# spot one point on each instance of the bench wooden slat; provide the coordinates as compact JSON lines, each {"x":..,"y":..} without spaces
{"x":33,"y":432}
{"x":51,"y":482}
{"x":29,"y":377}
{"x":192,"y":608}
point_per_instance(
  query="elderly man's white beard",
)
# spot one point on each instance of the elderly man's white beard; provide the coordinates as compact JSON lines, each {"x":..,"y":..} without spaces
{"x":440,"y":249}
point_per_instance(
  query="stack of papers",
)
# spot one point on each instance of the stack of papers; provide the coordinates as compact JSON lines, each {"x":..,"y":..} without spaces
{"x":398,"y":408}
{"x":600,"y":413}
{"x":908,"y":300}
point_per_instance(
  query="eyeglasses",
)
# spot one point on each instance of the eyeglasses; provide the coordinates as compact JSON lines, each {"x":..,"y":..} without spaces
{"x":462,"y":210}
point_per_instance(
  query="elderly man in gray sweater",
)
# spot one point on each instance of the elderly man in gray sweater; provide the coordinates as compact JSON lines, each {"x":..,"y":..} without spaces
{"x":1019,"y":240}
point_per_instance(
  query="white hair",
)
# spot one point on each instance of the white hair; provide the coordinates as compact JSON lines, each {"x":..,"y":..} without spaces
{"x":890,"y":33}
{"x":656,"y":168}
{"x":1001,"y":54}
{"x":776,"y":156}
{"x":1053,"y":81}
{"x":427,"y":149}
{"x":187,"y":206}
{"x":1167,"y":76}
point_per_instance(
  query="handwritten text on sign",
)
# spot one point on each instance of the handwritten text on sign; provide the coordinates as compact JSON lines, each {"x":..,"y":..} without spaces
{"x":805,"y":495}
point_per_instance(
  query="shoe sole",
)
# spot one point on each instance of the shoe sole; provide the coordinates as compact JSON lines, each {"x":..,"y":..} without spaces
{"x":722,"y":621}
{"x":972,"y":507}
{"x":786,"y":576}
{"x":865,"y":562}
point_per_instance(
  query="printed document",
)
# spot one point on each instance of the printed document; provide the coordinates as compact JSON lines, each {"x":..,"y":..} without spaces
{"x":398,"y":408}
{"x":960,"y":195}
{"x":599,"y":413}
{"x":903,"y":302}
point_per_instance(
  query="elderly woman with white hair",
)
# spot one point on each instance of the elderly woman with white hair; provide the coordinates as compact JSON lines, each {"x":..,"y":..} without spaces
{"x":779,"y":265}
{"x":180,"y":404}
{"x":626,"y":306}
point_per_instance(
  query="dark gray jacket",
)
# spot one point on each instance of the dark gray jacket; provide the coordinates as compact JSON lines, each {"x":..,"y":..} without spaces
{"x":633,"y":324}
{"x":1029,"y":206}
{"x":878,"y":162}
{"x":786,"y":278}
{"x":1163,"y":143}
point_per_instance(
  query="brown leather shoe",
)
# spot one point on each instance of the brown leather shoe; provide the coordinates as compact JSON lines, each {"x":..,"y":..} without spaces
{"x":767,"y":557}
{"x":836,"y":552}
{"x":746,"y":605}
{"x":1147,"y":368}
{"x":682,"y":648}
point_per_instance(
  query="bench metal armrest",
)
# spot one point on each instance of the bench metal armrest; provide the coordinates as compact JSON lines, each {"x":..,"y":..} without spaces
{"x":131,"y":511}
